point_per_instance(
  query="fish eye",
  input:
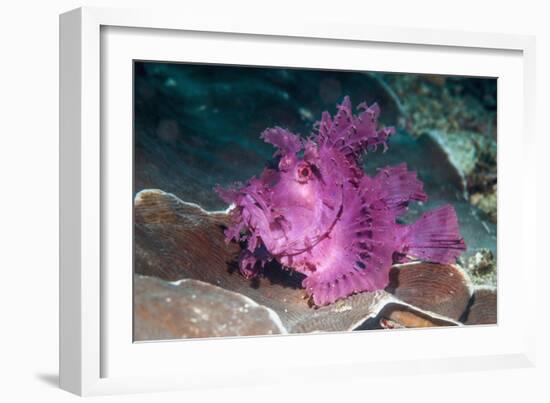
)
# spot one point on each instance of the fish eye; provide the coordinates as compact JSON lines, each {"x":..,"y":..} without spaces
{"x":303,"y":173}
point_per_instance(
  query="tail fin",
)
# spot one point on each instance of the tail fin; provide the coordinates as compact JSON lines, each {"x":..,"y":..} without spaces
{"x":435,"y":237}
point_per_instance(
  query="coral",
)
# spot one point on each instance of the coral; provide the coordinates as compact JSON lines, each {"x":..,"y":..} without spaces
{"x":481,"y":267}
{"x":318,"y":213}
{"x":182,"y":245}
{"x":487,"y":202}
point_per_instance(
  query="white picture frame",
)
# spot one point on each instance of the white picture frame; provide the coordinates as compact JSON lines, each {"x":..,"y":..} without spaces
{"x":94,"y":342}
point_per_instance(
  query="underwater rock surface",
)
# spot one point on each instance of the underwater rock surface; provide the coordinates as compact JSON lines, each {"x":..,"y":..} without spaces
{"x":443,"y":289}
{"x":192,"y":308}
{"x":483,"y":309}
{"x":173,"y":242}
{"x":481,"y":267}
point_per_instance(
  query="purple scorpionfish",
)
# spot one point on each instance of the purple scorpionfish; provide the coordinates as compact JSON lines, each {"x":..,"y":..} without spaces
{"x":320,"y":214}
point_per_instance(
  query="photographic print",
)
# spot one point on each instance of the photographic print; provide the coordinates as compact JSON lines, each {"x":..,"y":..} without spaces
{"x":271,"y":200}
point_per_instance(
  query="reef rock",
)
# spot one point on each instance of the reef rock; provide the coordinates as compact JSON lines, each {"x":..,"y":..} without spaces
{"x":443,"y":289}
{"x":193,"y":308}
{"x":183,"y":246}
{"x":483,"y":309}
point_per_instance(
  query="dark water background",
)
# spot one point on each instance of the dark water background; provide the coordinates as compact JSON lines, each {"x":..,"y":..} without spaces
{"x":197,"y":126}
